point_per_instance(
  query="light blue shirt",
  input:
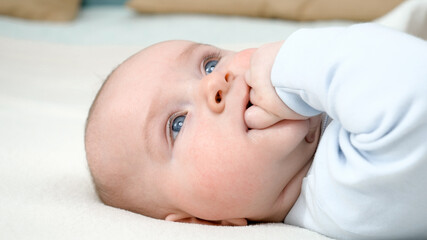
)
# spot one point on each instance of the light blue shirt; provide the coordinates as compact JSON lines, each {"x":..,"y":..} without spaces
{"x":368,"y":179}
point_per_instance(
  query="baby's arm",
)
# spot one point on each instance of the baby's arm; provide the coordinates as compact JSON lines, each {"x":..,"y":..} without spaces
{"x":373,"y":82}
{"x":366,"y":77}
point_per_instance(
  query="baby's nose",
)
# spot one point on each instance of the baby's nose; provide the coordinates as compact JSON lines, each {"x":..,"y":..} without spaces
{"x":216,"y":88}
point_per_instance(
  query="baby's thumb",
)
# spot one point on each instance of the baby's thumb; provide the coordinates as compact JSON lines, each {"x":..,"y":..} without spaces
{"x":258,"y":118}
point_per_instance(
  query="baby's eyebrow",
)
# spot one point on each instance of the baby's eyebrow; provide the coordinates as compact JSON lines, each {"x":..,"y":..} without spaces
{"x":190,"y":49}
{"x":149,"y":145}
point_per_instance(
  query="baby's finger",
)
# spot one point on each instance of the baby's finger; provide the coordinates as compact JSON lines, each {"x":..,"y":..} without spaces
{"x":258,"y":118}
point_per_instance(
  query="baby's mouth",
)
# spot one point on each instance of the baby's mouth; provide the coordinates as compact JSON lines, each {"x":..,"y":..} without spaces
{"x":248,"y":105}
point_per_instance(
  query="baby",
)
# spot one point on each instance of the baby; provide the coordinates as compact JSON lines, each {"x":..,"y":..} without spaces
{"x":188,"y":132}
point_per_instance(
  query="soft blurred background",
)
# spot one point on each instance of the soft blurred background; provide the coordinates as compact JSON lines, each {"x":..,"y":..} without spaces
{"x":142,"y":22}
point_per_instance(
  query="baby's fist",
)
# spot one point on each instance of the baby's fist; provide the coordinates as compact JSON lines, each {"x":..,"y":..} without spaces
{"x":267,"y":108}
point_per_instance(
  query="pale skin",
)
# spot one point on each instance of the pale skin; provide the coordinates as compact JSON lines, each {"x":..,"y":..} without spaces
{"x":226,"y":164}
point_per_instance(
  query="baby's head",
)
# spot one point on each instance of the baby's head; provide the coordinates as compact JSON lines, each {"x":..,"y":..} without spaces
{"x":166,"y":137}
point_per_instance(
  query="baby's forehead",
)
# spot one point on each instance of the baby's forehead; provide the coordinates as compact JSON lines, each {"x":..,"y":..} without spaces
{"x":157,"y":59}
{"x":171,"y":48}
{"x":166,"y":47}
{"x":138,"y":84}
{"x":159,"y":53}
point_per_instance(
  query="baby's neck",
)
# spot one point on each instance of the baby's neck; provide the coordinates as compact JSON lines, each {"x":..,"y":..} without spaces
{"x":296,"y":183}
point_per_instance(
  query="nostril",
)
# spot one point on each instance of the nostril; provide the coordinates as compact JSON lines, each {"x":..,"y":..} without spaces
{"x":218,"y":96}
{"x":228,"y":77}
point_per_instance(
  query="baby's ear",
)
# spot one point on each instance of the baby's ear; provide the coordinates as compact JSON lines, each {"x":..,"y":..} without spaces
{"x":176,"y":217}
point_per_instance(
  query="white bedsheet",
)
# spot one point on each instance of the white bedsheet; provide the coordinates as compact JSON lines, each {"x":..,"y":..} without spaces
{"x":49,"y":74}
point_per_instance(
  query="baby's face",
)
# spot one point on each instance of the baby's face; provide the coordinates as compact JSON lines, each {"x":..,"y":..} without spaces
{"x":174,"y":143}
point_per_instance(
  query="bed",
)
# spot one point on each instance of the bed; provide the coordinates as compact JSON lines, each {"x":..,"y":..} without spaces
{"x":50,"y":73}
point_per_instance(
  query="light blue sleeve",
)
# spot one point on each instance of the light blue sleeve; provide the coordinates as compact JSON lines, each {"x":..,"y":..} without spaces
{"x":370,"y":79}
{"x":369,"y":175}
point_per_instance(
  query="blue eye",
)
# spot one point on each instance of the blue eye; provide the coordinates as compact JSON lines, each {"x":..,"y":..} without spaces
{"x":176,"y":125}
{"x":210,"y":66}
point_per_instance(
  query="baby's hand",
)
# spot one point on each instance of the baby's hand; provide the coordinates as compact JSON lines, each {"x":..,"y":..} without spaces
{"x":267,"y":108}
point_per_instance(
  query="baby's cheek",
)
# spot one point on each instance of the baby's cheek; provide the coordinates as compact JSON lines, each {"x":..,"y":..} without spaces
{"x":218,"y":174}
{"x":214,"y":182}
{"x":221,"y":197}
